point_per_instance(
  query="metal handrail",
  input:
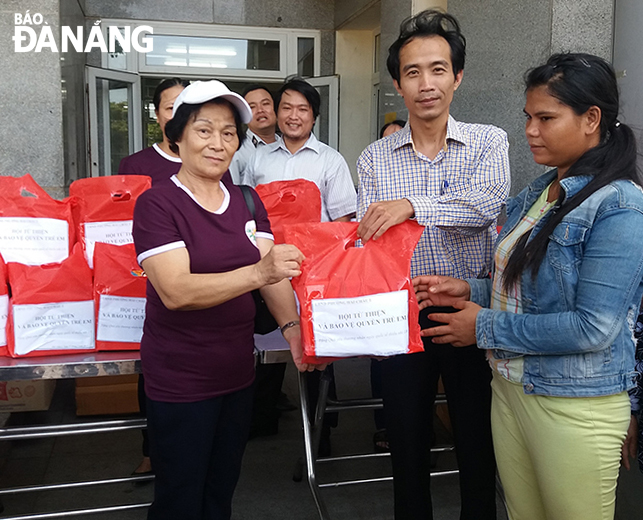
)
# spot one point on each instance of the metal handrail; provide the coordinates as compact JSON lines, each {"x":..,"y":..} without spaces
{"x":312,"y":433}
{"x":361,"y":456}
{"x":70,"y":485}
{"x":55,"y":430}
{"x":381,"y":479}
{"x":78,"y":512}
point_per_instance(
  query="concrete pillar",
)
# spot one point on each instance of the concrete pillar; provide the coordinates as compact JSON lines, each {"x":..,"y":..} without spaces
{"x":393,"y":13}
{"x":583,"y":26}
{"x":30,"y":102}
{"x":628,"y":61}
{"x":506,"y":38}
{"x":421,"y":5}
{"x":72,"y":71}
{"x":355,"y":71}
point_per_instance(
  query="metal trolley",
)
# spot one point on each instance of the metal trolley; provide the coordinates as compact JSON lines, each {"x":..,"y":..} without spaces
{"x":71,"y":367}
{"x":272,"y":348}
{"x":269,"y":349}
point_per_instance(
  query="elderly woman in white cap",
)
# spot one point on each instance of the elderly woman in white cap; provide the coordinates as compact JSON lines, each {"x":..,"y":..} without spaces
{"x":204,"y":252}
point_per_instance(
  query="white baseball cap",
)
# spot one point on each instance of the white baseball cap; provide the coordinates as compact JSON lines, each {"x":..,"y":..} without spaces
{"x":202,"y":91}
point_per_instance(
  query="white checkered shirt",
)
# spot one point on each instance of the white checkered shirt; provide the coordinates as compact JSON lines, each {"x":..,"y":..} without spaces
{"x":457,"y":196}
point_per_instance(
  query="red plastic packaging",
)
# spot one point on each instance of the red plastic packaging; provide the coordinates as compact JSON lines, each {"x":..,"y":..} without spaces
{"x":290,"y":202}
{"x":4,"y":308}
{"x":35,"y":229}
{"x":51,"y":308}
{"x":370,"y":302}
{"x":119,"y":297}
{"x":104,"y":209}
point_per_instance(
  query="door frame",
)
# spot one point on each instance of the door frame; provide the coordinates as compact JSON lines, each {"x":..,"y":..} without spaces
{"x":332,"y":82}
{"x":134,"y":123}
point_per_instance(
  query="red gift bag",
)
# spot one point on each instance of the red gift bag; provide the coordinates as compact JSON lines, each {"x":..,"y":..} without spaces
{"x":35,"y":229}
{"x":52,"y":308}
{"x":119,"y":296}
{"x":290,"y":202}
{"x":4,"y":308}
{"x":104,"y":209}
{"x":356,"y":301}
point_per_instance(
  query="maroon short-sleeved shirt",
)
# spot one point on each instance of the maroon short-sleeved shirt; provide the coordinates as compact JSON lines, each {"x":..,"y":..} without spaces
{"x":190,"y":356}
{"x":156,"y":164}
{"x":151,"y":161}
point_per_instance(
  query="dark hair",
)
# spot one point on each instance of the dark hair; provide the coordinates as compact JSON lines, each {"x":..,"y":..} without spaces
{"x":164,"y":85}
{"x":397,"y":122}
{"x":579,"y":81}
{"x":187,"y":112}
{"x":431,"y":22}
{"x":305,"y":89}
{"x":256,"y":86}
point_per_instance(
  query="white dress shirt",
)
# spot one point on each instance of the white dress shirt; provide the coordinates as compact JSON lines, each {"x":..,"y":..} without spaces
{"x":244,"y":154}
{"x":315,"y":162}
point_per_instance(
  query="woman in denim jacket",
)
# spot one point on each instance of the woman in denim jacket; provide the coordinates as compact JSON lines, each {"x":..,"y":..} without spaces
{"x":556,"y":319}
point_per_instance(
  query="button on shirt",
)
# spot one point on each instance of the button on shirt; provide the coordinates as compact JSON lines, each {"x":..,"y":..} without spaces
{"x":457,"y":196}
{"x":315,"y":162}
{"x":244,"y":155}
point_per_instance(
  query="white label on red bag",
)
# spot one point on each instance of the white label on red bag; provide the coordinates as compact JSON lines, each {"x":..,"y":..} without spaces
{"x":118,"y":232}
{"x":53,"y":326}
{"x":375,"y":325}
{"x":34,"y":241}
{"x":4,"y":311}
{"x":120,"y":319}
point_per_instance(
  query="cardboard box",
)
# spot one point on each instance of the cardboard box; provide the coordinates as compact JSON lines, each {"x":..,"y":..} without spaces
{"x":106,"y":380}
{"x":26,"y":396}
{"x":111,"y":395}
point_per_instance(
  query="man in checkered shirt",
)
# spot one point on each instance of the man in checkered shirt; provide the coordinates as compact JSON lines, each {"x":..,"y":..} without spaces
{"x":453,"y":178}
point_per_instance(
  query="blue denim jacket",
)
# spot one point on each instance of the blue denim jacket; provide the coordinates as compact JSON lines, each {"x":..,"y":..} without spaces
{"x":576,"y":330}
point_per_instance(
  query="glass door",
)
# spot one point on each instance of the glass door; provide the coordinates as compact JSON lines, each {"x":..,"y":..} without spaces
{"x":114,"y":123}
{"x":326,"y":127}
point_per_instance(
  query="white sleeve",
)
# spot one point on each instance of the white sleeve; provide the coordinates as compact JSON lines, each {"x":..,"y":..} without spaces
{"x":338,"y":191}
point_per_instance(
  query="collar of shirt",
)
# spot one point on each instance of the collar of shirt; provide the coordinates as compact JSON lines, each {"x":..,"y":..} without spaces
{"x":169,"y":157}
{"x":404,"y":137}
{"x":312,"y":143}
{"x":250,"y":135}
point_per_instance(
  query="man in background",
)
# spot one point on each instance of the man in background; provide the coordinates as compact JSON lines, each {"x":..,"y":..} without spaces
{"x":261,"y":130}
{"x":300,"y":155}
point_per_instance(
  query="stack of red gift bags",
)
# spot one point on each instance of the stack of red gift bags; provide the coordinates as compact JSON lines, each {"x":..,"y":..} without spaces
{"x":51,"y":308}
{"x":104,"y":209}
{"x":53,"y":300}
